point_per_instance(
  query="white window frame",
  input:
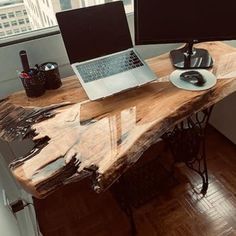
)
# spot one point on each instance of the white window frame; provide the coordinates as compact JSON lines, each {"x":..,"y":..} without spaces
{"x":33,"y":34}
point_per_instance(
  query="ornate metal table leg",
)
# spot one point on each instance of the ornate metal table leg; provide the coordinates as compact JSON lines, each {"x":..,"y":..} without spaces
{"x":187,"y":144}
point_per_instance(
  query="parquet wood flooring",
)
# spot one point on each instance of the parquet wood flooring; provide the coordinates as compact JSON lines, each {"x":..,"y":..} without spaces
{"x":75,"y":210}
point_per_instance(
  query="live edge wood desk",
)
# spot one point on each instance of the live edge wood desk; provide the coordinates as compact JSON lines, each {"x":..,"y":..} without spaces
{"x":77,"y":137}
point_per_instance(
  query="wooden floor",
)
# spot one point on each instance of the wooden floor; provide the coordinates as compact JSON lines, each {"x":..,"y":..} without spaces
{"x":76,"y":210}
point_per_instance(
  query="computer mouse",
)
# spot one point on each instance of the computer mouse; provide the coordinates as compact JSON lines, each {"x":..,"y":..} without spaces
{"x":193,"y":77}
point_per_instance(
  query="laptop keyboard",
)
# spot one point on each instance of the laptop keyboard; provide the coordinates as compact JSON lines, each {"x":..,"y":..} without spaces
{"x":108,"y":66}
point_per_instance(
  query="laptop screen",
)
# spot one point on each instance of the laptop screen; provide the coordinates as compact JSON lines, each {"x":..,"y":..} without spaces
{"x":94,"y":31}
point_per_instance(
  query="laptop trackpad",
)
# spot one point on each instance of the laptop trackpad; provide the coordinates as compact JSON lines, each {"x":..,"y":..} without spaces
{"x":119,"y":82}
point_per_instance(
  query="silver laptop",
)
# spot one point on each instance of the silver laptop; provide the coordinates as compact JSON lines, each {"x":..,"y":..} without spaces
{"x":100,"y":50}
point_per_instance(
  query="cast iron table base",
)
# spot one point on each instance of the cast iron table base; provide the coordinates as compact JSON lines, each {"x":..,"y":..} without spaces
{"x":187,"y":144}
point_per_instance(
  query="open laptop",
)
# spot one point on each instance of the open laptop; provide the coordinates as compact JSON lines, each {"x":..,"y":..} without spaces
{"x":100,"y":49}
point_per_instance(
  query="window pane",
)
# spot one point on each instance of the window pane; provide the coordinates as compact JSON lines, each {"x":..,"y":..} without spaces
{"x":3,"y":16}
{"x":16,"y":31}
{"x":9,"y":32}
{"x":11,"y":14}
{"x":65,"y":4}
{"x":23,"y":29}
{"x":14,"y":22}
{"x":21,"y":21}
{"x":18,"y":13}
{"x":38,"y":14}
{"x":6,"y":24}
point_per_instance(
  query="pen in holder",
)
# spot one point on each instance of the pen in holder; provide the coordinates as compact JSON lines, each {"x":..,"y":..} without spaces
{"x":33,"y":83}
{"x":31,"y":79}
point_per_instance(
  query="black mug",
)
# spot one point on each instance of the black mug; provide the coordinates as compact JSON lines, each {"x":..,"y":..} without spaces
{"x":50,"y":72}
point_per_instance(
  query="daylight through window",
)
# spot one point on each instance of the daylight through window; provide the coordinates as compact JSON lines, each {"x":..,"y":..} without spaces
{"x":17,"y":16}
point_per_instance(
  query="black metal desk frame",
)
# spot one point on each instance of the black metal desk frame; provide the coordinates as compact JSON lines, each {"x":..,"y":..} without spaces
{"x":186,"y":141}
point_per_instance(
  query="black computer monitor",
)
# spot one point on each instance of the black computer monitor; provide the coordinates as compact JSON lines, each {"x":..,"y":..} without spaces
{"x":185,"y":21}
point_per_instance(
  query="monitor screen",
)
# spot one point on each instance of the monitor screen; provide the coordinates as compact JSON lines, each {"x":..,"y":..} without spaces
{"x":163,"y":21}
{"x":94,"y":31}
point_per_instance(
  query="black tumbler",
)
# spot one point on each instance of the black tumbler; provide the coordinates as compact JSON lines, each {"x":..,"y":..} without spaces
{"x":49,"y":71}
{"x":33,"y":83}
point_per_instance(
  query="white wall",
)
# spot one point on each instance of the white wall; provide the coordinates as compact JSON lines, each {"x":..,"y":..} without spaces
{"x":22,"y":223}
{"x":224,"y":117}
{"x":8,"y":223}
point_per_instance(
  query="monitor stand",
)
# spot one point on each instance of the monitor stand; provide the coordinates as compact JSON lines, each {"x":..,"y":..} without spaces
{"x":189,"y":57}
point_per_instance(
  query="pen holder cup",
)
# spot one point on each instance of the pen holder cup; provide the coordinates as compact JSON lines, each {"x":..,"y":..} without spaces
{"x":33,"y":83}
{"x":50,"y":72}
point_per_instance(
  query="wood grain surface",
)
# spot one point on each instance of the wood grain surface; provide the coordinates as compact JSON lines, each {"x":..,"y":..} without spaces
{"x":175,"y":211}
{"x":78,"y":137}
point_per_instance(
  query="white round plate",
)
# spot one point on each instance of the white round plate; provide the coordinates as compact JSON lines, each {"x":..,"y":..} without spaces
{"x":207,"y":75}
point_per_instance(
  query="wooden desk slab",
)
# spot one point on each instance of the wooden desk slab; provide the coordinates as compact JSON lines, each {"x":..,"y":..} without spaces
{"x":78,"y":137}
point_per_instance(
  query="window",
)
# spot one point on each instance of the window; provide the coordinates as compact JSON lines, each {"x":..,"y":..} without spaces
{"x":9,"y":32}
{"x":6,"y":24}
{"x":18,"y":13}
{"x":0,"y":26}
{"x":39,"y":16}
{"x":14,"y":22}
{"x":128,"y":5}
{"x":16,"y":31}
{"x":65,"y":4}
{"x":21,"y":21}
{"x":3,"y":16}
{"x":2,"y":34}
{"x":127,"y":2}
{"x":11,"y":14}
{"x":23,"y":29}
